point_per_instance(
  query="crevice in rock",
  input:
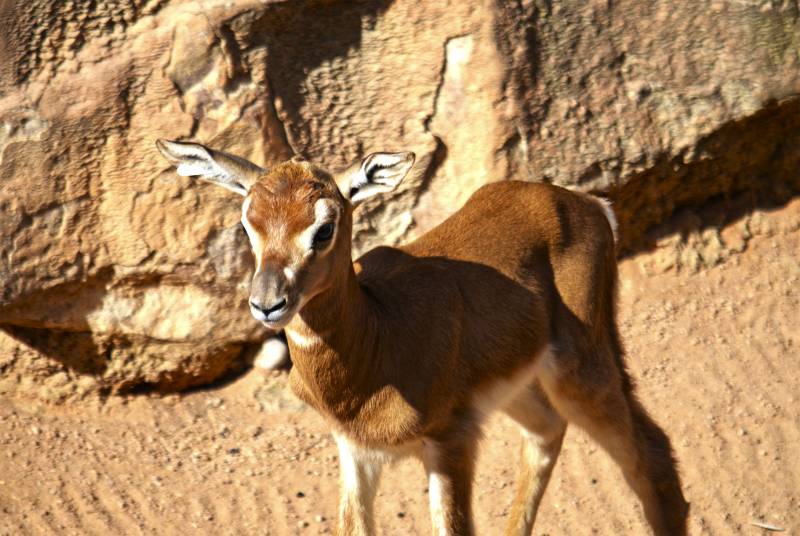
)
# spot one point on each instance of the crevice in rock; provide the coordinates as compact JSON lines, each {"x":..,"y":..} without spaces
{"x":517,"y":37}
{"x":758,"y":154}
{"x":174,"y":382}
{"x":236,"y":74}
{"x":112,"y":360}
{"x":440,"y":151}
{"x":290,"y":60}
{"x":76,"y":351}
{"x":238,"y":367}
{"x":282,"y":132}
{"x":437,"y":159}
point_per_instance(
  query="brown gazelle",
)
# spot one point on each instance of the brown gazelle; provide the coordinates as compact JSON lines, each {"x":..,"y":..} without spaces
{"x":508,"y":304}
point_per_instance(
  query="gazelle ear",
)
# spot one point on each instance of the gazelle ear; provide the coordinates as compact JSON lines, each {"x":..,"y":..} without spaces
{"x":378,"y":173}
{"x":195,"y":160}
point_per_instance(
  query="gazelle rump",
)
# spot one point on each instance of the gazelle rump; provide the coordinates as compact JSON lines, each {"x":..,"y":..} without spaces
{"x":508,"y":304}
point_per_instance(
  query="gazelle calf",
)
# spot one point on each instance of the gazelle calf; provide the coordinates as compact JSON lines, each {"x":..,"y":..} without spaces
{"x":508,"y":304}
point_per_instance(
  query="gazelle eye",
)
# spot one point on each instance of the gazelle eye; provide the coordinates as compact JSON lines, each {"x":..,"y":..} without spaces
{"x":324,"y":233}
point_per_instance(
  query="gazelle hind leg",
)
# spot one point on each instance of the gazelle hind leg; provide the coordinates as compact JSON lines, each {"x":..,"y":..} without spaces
{"x":542,"y":435}
{"x":602,"y":403}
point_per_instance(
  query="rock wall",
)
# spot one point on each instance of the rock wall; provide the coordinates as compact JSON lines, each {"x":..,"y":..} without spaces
{"x":117,"y":274}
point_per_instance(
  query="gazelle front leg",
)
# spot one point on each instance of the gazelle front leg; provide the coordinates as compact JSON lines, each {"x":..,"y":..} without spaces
{"x":359,"y":475}
{"x":450,"y":468}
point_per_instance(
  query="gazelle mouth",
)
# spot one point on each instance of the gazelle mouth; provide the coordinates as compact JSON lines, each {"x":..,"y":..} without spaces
{"x":277,"y":324}
{"x":273,"y":319}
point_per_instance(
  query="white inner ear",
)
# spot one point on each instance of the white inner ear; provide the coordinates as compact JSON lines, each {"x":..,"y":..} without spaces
{"x":196,"y":162}
{"x":382,"y":168}
{"x":257,"y":241}
{"x":209,"y":171}
{"x":371,"y":179}
{"x":199,"y":167}
{"x":368,"y":190}
{"x":325,"y":211}
{"x":379,"y":173}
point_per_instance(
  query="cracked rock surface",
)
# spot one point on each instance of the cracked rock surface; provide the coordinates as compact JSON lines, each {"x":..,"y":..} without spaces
{"x":116,"y":274}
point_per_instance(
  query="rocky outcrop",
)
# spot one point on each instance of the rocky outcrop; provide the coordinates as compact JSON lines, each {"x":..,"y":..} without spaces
{"x":116,"y":273}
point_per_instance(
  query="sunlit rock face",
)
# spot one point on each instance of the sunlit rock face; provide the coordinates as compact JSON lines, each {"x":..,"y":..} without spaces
{"x":117,"y":274}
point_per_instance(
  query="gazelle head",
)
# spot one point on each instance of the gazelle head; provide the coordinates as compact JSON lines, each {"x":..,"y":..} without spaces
{"x":298,"y":218}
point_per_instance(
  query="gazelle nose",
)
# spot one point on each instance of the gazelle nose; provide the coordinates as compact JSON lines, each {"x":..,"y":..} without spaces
{"x":277,"y":306}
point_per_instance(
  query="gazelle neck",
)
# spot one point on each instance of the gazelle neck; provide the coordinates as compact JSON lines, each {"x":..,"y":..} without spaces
{"x":332,"y":338}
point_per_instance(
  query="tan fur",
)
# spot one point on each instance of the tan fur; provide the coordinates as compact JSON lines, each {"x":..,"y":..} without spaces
{"x":409,"y":346}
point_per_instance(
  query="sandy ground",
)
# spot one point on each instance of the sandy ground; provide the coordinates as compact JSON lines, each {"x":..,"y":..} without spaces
{"x":716,"y":358}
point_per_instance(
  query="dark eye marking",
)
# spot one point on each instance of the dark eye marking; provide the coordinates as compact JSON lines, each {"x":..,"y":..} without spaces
{"x":323,"y":234}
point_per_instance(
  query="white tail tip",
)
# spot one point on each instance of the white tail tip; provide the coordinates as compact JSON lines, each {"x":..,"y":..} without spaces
{"x":605,"y":204}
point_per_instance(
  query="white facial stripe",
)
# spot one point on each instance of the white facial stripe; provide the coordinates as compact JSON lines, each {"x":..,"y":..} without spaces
{"x":303,"y":341}
{"x":325,"y":211}
{"x":256,"y":240}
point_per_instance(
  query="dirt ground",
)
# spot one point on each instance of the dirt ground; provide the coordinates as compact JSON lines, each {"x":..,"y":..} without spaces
{"x":715,"y":353}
